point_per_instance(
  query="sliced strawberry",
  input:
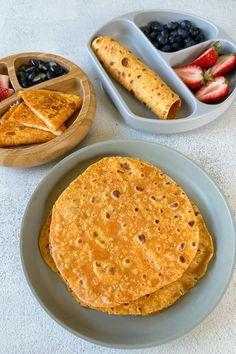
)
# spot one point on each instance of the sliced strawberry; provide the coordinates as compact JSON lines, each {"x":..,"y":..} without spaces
{"x":192,"y":75}
{"x":209,"y":57}
{"x":5,"y":93}
{"x":214,"y":91}
{"x":4,"y":81}
{"x":224,"y":64}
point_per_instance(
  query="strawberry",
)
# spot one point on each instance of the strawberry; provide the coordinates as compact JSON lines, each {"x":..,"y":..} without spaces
{"x":4,"y":81}
{"x":5,"y":93}
{"x":224,"y":64}
{"x":214,"y":91}
{"x":192,"y":75}
{"x":209,"y":57}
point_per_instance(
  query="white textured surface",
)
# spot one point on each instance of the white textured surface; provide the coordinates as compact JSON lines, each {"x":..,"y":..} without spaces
{"x":63,"y":27}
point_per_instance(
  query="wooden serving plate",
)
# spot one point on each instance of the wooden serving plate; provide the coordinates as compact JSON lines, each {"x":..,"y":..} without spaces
{"x":75,"y":81}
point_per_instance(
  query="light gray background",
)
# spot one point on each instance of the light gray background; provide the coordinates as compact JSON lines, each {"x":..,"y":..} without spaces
{"x":63,"y":27}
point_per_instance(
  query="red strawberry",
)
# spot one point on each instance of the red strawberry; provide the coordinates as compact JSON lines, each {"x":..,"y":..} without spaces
{"x":209,"y":57}
{"x":192,"y":75}
{"x":224,"y":64}
{"x":5,"y":93}
{"x":214,"y":91}
{"x":4,"y":81}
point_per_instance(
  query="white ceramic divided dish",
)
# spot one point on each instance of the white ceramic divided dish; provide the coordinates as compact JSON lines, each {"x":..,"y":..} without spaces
{"x":130,"y":331}
{"x":193,"y":113}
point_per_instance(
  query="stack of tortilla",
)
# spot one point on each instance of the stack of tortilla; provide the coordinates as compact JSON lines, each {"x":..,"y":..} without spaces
{"x":39,"y":118}
{"x":125,"y":238}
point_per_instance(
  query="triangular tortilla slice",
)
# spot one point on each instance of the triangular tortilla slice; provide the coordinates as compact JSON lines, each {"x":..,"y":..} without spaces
{"x":23,"y":115}
{"x":13,"y":134}
{"x":53,"y":108}
{"x":8,"y":113}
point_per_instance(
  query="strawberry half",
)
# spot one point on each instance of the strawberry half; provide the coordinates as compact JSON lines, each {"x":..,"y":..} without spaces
{"x":5,"y":93}
{"x":4,"y":81}
{"x":214,"y":91}
{"x":224,"y":64}
{"x":192,"y":75}
{"x":209,"y":57}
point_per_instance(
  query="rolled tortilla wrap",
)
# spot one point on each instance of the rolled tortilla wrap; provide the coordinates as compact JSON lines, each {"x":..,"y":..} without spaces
{"x":137,"y":77}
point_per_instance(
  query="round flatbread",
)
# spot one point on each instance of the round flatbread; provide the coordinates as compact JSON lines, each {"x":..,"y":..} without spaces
{"x":164,"y":297}
{"x":117,"y":230}
{"x":168,"y":295}
{"x":44,"y":246}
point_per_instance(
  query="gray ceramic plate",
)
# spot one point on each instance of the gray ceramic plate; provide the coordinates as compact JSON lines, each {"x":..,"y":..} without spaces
{"x":119,"y":331}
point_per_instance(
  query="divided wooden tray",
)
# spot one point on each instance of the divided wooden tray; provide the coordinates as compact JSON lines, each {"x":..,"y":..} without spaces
{"x":75,"y":81}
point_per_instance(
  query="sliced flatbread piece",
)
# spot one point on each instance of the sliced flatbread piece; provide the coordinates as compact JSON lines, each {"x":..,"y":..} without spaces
{"x":119,"y":226}
{"x":13,"y":134}
{"x":4,"y":118}
{"x":161,"y":298}
{"x":53,"y":108}
{"x":23,"y":115}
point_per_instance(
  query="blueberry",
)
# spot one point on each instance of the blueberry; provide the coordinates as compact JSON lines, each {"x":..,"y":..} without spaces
{"x":32,"y":75}
{"x":173,"y":33}
{"x":189,"y":42}
{"x":44,"y":67}
{"x":182,"y":33}
{"x":39,"y":78}
{"x":185,"y":24}
{"x":153,"y":35}
{"x":156,"y":44}
{"x":23,"y":83}
{"x":34,"y":62}
{"x":178,"y":38}
{"x":171,"y":39}
{"x":145,"y":30}
{"x":200,"y":38}
{"x":165,"y":32}
{"x":29,"y":70}
{"x":175,"y":46}
{"x":172,"y":25}
{"x":156,"y":26}
{"x":166,"y":27}
{"x":162,"y":39}
{"x":166,"y":48}
{"x":195,"y":31}
{"x":56,"y":68}
{"x":21,"y":75}
{"x":50,"y":75}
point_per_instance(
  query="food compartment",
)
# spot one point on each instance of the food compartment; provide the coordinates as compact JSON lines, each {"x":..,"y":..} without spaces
{"x":6,"y":88}
{"x":3,"y":69}
{"x":35,"y":69}
{"x":189,"y":55}
{"x":174,"y":30}
{"x":127,"y":33}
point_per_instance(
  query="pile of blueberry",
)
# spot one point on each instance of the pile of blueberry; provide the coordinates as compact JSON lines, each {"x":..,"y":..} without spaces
{"x":38,"y":71}
{"x":173,"y":36}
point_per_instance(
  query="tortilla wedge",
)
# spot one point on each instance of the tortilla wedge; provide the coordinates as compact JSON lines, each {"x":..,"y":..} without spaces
{"x":23,"y":115}
{"x":53,"y":108}
{"x":13,"y":134}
